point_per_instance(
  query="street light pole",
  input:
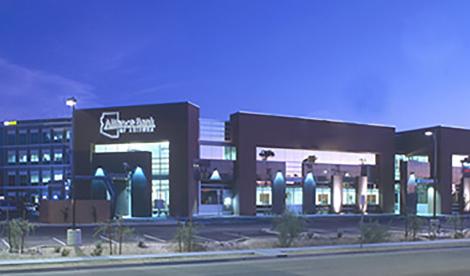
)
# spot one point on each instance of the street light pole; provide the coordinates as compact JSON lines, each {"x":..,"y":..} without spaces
{"x":435,"y":186}
{"x":72,"y":102}
{"x":74,"y":234}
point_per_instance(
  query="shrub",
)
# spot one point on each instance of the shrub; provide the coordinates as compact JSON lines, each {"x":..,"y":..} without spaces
{"x":98,"y":250}
{"x":415,"y":224}
{"x":373,"y":232}
{"x":57,"y":249}
{"x":65,"y":252}
{"x":17,"y":230}
{"x":457,"y":223}
{"x":289,"y":227}
{"x":185,"y":237}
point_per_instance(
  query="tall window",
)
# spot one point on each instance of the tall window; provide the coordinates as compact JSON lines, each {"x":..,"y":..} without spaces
{"x":58,"y":174}
{"x":23,"y":156}
{"x":34,"y":156}
{"x":34,"y":176}
{"x":46,"y":136}
{"x":35,"y":136}
{"x":23,"y":137}
{"x":11,"y":178}
{"x":11,"y":157}
{"x":11,"y":137}
{"x":58,"y":135}
{"x":263,"y":195}
{"x":58,"y":156}
{"x":46,"y":156}
{"x":23,"y":178}
{"x":349,"y":196}
{"x":46,"y":176}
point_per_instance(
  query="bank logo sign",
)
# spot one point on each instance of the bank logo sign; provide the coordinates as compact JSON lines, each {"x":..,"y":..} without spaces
{"x":112,"y":126}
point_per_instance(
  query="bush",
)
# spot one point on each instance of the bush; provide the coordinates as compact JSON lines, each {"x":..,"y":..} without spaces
{"x":373,"y":232}
{"x":289,"y":227}
{"x":16,"y":231}
{"x":457,"y":223}
{"x":415,"y":224}
{"x":98,"y":250}
{"x":185,"y":237}
{"x":57,"y":249}
{"x":65,"y":252}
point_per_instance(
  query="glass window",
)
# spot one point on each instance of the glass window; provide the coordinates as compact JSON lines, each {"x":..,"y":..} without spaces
{"x":11,"y":178}
{"x":67,"y":135}
{"x":46,"y":176}
{"x":34,"y":176}
{"x":210,"y":196}
{"x":58,"y":135}
{"x":11,"y":137}
{"x":23,"y":156}
{"x":34,"y":136}
{"x":46,"y":136}
{"x":23,"y":137}
{"x":263,"y":195}
{"x":294,"y":196}
{"x":373,"y":196}
{"x":349,"y":196}
{"x":11,"y":157}
{"x":34,"y":156}
{"x":323,"y":195}
{"x":46,"y":156}
{"x":23,"y":178}
{"x":58,"y":175}
{"x":58,"y":156}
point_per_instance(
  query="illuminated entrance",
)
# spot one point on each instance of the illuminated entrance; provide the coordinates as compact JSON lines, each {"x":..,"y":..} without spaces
{"x":160,"y":156}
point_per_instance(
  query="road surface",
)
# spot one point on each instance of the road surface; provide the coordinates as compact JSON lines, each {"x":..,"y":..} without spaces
{"x":442,"y":262}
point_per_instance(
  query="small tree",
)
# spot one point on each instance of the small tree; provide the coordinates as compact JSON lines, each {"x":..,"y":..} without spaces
{"x":107,"y":230}
{"x":25,"y":228}
{"x":185,"y":237}
{"x":373,"y":232}
{"x":16,"y":231}
{"x":457,"y":223}
{"x":122,"y":232}
{"x":289,"y":227}
{"x":415,"y":224}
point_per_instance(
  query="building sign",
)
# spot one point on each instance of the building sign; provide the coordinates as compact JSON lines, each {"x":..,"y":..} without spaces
{"x":112,"y":126}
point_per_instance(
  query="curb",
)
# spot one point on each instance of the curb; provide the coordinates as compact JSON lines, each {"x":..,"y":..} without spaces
{"x":74,"y":263}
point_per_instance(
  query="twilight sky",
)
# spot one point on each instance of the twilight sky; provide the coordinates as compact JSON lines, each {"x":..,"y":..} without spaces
{"x":402,"y":63}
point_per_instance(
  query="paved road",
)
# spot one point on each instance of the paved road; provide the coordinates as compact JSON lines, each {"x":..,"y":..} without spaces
{"x":448,"y":262}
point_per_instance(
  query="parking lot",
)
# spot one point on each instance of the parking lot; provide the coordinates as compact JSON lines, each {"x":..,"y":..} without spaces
{"x":218,"y":230}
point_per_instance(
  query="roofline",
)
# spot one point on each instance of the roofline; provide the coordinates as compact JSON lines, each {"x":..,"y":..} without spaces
{"x":432,"y":127}
{"x":313,"y":119}
{"x":140,"y":105}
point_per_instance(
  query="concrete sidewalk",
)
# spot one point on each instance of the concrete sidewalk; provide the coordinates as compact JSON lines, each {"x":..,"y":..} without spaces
{"x":214,"y":256}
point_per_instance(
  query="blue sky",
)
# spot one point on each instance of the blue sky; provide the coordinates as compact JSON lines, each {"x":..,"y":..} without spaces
{"x":401,"y":63}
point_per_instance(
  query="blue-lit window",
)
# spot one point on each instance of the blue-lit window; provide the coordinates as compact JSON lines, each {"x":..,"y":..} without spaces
{"x":58,"y":135}
{"x":34,"y":177}
{"x":46,"y":176}
{"x":46,"y":156}
{"x":58,"y":156}
{"x":58,"y":174}
{"x":46,"y":136}
{"x":11,"y":157}
{"x":34,"y":156}
{"x":23,"y":156}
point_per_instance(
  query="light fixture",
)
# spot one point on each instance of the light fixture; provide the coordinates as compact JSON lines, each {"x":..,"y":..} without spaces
{"x":71,"y":102}
{"x":428,"y":133}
